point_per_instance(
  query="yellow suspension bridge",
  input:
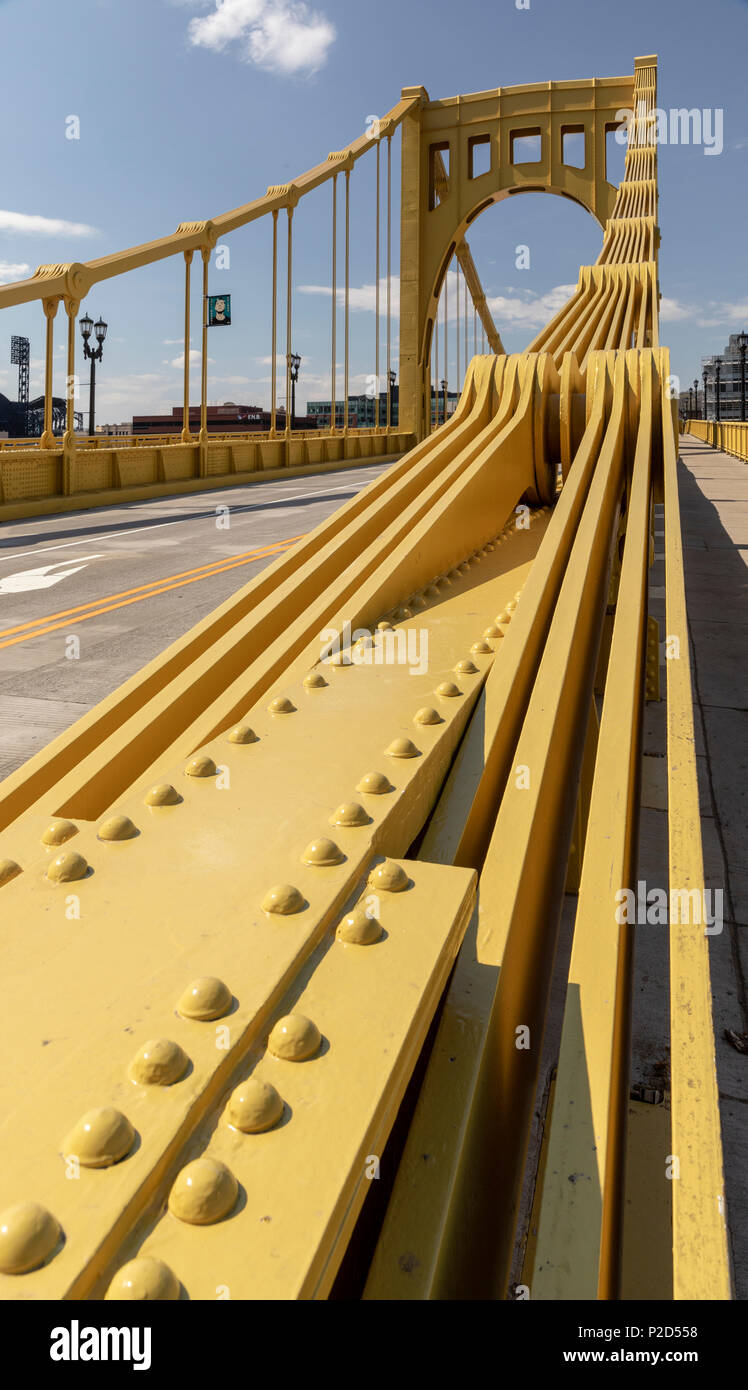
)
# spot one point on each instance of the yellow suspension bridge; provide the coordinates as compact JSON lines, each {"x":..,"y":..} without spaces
{"x":282,"y":914}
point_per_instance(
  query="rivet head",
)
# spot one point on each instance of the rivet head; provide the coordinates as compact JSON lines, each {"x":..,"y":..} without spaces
{"x":284,"y":899}
{"x":403,"y":613}
{"x":241,"y":733}
{"x":160,"y":1062}
{"x":512,"y":604}
{"x":58,"y":832}
{"x":359,"y":929}
{"x":162,"y":795}
{"x":518,"y":596}
{"x":205,"y":1191}
{"x":117,"y":828}
{"x":322,"y":852}
{"x":464,"y":567}
{"x":204,"y":999}
{"x":144,"y":1280}
{"x":201,"y":766}
{"x":254,"y":1106}
{"x":389,"y":876}
{"x":481,"y":648}
{"x":416,"y":602}
{"x":314,"y":680}
{"x":342,"y":658}
{"x":350,"y":813}
{"x":67,"y":867}
{"x":448,"y":690}
{"x":427,"y":715}
{"x":8,"y":870}
{"x":294,"y":1038}
{"x":492,"y":632}
{"x":504,"y":617}
{"x":28,"y":1235}
{"x":432,"y":592}
{"x":402,"y":748}
{"x":384,"y":627}
{"x":466,"y":668}
{"x":281,"y":705}
{"x":375,"y":784}
{"x":100,"y":1138}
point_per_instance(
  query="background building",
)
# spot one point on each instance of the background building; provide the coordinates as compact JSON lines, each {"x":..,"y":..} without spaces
{"x":730,"y":381}
{"x":124,"y":429}
{"x":228,"y":418}
{"x":362,"y":410}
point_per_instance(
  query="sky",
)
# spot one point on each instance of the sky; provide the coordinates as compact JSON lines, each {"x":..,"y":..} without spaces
{"x":184,"y":109}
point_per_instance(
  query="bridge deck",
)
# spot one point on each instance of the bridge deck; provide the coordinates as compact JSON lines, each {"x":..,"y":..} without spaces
{"x":714,"y":511}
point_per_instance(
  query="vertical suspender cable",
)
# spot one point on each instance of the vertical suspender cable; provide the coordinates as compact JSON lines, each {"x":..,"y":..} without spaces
{"x":289,"y":285}
{"x":436,"y":365}
{"x":347,"y":284}
{"x":466,"y":328}
{"x":376,"y":308}
{"x":186,"y":405}
{"x":458,"y":323}
{"x":446,"y":341}
{"x":274,"y":345}
{"x":389,"y":274}
{"x":334,"y":295}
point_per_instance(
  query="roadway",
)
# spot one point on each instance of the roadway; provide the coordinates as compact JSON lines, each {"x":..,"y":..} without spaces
{"x":126,"y":581}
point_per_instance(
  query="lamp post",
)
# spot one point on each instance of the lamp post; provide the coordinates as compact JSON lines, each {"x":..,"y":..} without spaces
{"x":690,"y":402}
{"x":705,"y":378}
{"x":696,"y":396}
{"x":390,"y":387}
{"x":444,"y":393}
{"x":94,"y":355}
{"x":717,"y":370}
{"x":295,"y":363}
{"x":743,"y":345}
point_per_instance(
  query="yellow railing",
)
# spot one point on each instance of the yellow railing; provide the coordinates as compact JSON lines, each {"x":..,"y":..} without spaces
{"x":730,"y":436}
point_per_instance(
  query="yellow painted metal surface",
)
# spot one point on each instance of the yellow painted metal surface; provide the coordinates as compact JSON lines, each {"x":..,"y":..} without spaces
{"x":700,"y":1257}
{"x":349,"y":811}
{"x":730,"y":436}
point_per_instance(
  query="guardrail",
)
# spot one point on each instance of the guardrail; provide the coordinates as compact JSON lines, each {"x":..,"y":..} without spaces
{"x":730,"y":436}
{"x":115,"y":469}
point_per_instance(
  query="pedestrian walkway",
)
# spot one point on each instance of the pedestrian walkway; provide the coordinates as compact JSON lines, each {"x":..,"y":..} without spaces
{"x":714,"y":510}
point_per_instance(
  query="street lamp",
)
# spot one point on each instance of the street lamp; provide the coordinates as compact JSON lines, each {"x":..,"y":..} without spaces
{"x":690,"y":402}
{"x":444,"y":392}
{"x":717,"y":370}
{"x":705,"y":378}
{"x":295,"y":362}
{"x":94,"y":355}
{"x":696,"y":395}
{"x":742,"y":345}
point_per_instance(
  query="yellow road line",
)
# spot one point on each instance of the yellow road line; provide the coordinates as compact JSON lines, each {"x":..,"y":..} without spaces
{"x":38,"y":627}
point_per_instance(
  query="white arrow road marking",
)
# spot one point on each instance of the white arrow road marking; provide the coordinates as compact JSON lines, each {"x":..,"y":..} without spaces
{"x":40,"y":578}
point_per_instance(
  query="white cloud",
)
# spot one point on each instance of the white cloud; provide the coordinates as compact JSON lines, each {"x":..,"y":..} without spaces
{"x":279,"y":35}
{"x":672,"y":309}
{"x":28,"y":224}
{"x":716,"y":314}
{"x":13,"y":270}
{"x":195,"y":356}
{"x":362,"y":296}
{"x":534,"y":311}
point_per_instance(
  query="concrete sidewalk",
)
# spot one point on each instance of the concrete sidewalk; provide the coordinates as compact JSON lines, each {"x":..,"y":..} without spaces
{"x":714,"y":512}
